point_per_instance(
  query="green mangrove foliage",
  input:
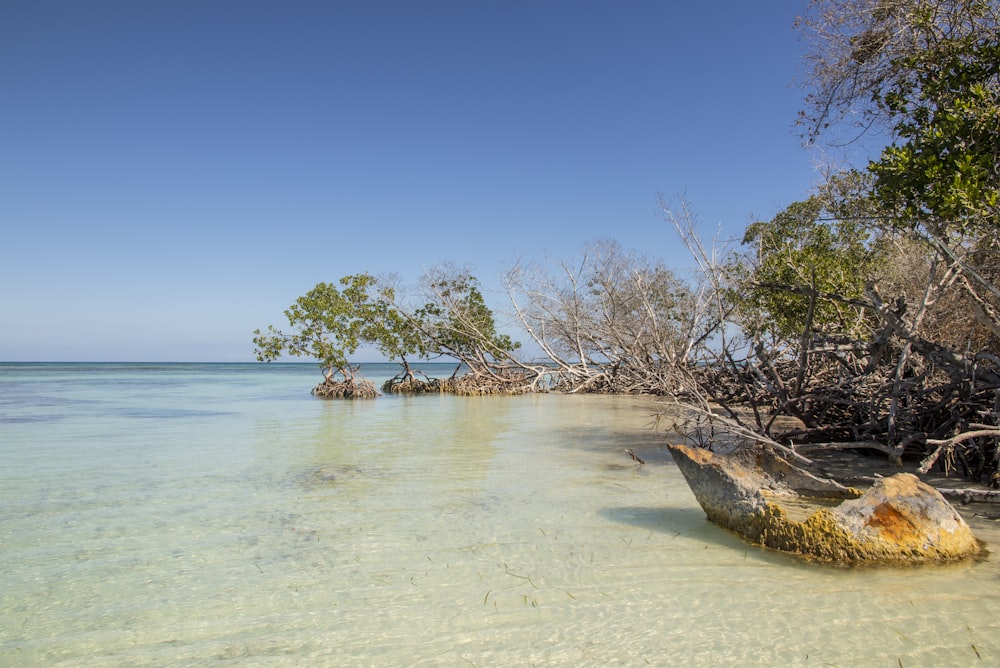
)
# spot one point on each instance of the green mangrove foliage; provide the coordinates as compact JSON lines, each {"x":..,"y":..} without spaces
{"x":327,"y":324}
{"x":456,"y":322}
{"x":944,"y":168}
{"x":451,"y":319}
{"x":817,"y":244}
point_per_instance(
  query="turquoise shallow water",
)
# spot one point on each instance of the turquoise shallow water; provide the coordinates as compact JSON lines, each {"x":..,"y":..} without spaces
{"x":160,"y":515}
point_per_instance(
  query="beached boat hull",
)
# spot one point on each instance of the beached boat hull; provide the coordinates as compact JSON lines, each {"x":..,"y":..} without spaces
{"x":899,"y":520}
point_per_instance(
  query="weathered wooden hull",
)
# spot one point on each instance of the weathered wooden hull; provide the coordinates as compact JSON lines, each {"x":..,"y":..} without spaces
{"x":899,"y":520}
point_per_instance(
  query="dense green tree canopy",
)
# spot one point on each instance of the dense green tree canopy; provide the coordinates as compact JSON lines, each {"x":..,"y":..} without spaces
{"x":327,"y":324}
{"x":927,"y":72}
{"x":945,"y":168}
{"x":818,"y":244}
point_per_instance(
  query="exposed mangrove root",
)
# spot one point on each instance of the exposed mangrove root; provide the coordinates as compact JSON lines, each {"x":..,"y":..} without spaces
{"x":852,"y":395}
{"x":352,"y":388}
{"x":500,"y":381}
{"x":407,"y":382}
{"x":399,"y":385}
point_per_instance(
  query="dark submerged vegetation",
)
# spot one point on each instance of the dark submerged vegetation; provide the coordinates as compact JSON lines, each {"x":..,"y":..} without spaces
{"x":867,"y":314}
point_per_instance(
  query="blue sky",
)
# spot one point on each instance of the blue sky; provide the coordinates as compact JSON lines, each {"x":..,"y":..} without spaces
{"x":173,"y":174}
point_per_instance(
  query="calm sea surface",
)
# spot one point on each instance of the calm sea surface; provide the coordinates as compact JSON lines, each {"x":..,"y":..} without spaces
{"x":162,"y":515}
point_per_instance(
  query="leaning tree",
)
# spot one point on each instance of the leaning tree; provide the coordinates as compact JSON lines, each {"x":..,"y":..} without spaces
{"x":451,"y":318}
{"x":327,"y":324}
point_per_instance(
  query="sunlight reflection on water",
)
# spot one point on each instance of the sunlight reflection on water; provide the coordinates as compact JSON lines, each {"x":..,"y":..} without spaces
{"x":262,"y":526}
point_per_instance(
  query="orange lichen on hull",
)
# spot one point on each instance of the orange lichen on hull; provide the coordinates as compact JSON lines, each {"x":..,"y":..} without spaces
{"x":890,"y":523}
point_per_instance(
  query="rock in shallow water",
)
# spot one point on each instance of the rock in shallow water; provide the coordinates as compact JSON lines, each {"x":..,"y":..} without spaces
{"x":899,"y":520}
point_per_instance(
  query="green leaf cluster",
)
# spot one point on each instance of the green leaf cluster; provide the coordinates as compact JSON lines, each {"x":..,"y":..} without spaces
{"x":458,"y":323}
{"x":816,"y":244}
{"x":327,"y":323}
{"x":944,"y":170}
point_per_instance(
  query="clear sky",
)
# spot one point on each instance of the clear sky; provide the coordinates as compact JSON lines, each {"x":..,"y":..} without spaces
{"x":174,"y":173}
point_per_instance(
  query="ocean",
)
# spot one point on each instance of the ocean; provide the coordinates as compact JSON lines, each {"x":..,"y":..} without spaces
{"x":217,"y":514}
